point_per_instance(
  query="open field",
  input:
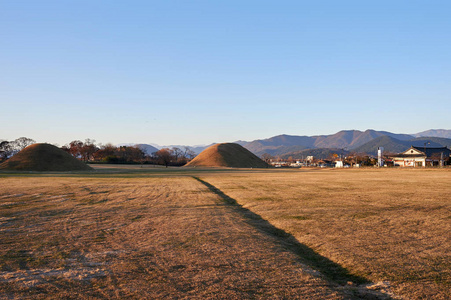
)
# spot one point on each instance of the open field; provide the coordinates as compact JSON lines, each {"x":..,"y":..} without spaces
{"x":199,"y":233}
{"x":385,"y":225}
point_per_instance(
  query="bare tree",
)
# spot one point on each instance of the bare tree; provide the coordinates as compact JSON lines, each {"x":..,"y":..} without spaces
{"x":87,"y":149}
{"x":23,"y":142}
{"x":267,"y":157}
{"x":5,"y":150}
{"x":74,"y":148}
{"x":104,"y":152}
{"x":130,"y":154}
{"x":177,"y":153}
{"x":189,"y":153}
{"x":10,"y":148}
{"x":164,"y":156}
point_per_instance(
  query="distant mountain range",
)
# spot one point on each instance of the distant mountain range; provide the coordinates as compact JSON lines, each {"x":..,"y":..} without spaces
{"x":346,"y":141}
{"x":146,"y":148}
{"x":443,"y":133}
{"x":393,"y":145}
{"x":342,"y":142}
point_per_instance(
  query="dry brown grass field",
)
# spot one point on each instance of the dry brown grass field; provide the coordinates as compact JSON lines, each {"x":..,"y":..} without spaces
{"x":231,"y":234}
{"x":384,"y":225}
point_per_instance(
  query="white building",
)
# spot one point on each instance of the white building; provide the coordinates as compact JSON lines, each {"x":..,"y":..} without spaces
{"x":422,"y":157}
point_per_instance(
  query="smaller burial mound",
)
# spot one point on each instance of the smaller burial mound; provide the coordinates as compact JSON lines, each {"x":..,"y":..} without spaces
{"x":229,"y":155}
{"x":43,"y":157}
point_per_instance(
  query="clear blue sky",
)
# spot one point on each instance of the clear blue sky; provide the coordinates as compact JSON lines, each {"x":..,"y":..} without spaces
{"x":194,"y":72}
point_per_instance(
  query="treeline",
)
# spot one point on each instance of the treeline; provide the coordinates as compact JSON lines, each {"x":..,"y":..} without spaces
{"x":89,"y":151}
{"x":10,"y":148}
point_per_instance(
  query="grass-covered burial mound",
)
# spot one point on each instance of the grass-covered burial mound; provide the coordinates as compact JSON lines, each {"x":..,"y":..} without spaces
{"x":43,"y":157}
{"x":227,"y":155}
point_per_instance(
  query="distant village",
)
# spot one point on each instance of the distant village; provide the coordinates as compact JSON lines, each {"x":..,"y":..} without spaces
{"x":412,"y":157}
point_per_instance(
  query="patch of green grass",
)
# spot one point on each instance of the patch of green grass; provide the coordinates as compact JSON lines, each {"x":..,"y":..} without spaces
{"x":363,"y":215}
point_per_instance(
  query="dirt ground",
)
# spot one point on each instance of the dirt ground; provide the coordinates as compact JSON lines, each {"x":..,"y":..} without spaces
{"x":176,"y":235}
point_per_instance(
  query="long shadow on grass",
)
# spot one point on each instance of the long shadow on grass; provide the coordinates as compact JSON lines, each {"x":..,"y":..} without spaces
{"x":328,"y":268}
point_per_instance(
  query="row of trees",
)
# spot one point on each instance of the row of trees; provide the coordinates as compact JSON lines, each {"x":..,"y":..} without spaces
{"x":10,"y":148}
{"x":89,"y":151}
{"x":173,"y":156}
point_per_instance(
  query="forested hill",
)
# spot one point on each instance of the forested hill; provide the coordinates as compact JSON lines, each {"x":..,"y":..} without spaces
{"x":346,"y":140}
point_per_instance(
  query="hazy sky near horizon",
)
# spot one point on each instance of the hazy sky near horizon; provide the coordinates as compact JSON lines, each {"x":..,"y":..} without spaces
{"x":197,"y":72}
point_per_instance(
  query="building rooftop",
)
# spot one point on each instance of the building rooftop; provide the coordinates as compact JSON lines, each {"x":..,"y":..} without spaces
{"x":434,"y":151}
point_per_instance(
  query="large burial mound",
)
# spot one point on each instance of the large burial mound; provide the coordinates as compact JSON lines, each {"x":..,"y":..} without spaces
{"x":227,"y":155}
{"x":43,"y":157}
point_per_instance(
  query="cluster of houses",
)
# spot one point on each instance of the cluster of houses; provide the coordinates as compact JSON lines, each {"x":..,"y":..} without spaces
{"x":412,"y":157}
{"x":309,"y":161}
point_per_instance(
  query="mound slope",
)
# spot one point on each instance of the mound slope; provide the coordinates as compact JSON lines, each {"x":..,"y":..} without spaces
{"x":227,"y":155}
{"x":43,"y":157}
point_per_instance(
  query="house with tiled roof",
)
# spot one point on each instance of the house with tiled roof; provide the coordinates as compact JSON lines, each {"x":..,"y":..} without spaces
{"x":422,"y":157}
